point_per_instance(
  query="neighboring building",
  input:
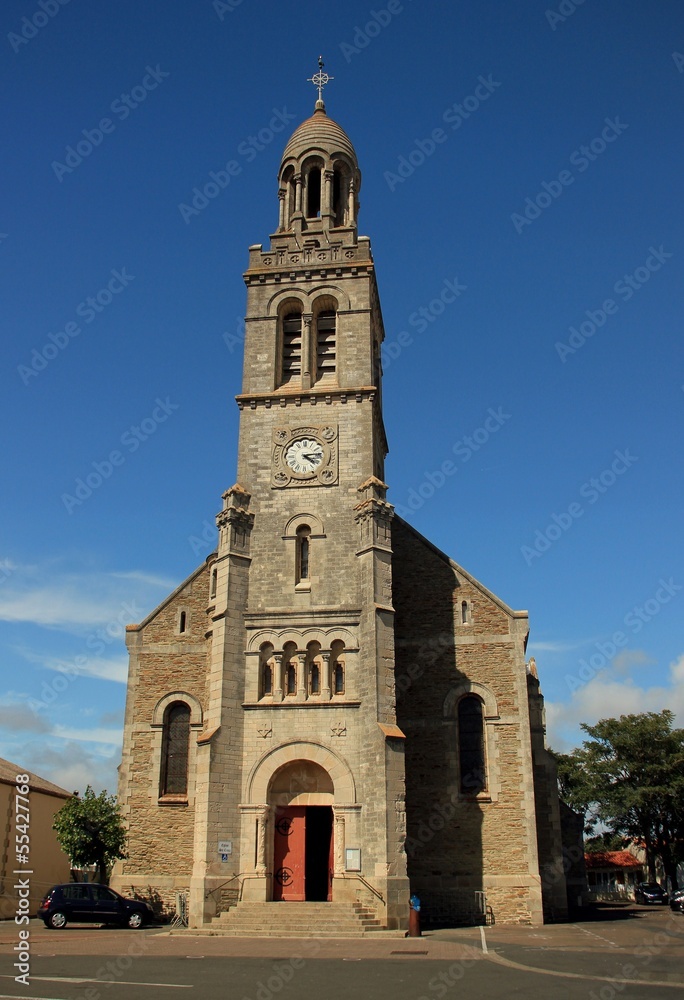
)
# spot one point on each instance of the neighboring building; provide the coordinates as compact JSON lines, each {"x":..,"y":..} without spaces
{"x":329,"y":708}
{"x":613,"y":874}
{"x":48,"y":862}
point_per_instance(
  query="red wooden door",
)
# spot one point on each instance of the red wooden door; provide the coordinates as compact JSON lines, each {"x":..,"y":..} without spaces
{"x":289,"y":853}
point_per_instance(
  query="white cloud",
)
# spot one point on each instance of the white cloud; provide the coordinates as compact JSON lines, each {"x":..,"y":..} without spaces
{"x":53,"y":597}
{"x":113,"y":669}
{"x":610,"y":694}
{"x":71,"y":765}
{"x":107,"y":737}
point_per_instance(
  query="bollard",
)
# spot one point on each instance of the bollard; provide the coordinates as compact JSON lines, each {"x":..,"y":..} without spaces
{"x":414,"y":917}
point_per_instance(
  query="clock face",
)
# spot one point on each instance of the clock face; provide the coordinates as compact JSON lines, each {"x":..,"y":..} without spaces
{"x":304,"y":456}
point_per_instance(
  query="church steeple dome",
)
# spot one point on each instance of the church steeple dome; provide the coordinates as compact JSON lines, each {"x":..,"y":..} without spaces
{"x":319,"y":177}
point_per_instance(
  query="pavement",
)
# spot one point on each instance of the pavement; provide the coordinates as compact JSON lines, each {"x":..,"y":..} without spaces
{"x":628,"y":951}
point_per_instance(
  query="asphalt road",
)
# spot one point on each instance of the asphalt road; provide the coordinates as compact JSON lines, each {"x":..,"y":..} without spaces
{"x":637,"y":954}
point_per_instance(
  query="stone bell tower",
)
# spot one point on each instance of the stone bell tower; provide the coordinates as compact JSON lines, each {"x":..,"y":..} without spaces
{"x":300,"y":766}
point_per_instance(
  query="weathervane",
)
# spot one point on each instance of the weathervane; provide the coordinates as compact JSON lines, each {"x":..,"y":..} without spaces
{"x":320,"y":79}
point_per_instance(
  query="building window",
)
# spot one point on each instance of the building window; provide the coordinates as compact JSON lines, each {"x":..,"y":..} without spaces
{"x":175,"y":748}
{"x":214,"y":576}
{"x":314,"y":679}
{"x":303,"y":549}
{"x":326,"y":344}
{"x":464,"y":613}
{"x":292,"y":347}
{"x":471,"y":745}
{"x":182,"y":622}
{"x":338,"y":679}
{"x":291,"y":679}
{"x":313,"y":193}
{"x":266,"y":679}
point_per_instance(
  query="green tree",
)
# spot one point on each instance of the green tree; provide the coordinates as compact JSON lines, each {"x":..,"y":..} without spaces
{"x":633,"y":775}
{"x":90,"y":830}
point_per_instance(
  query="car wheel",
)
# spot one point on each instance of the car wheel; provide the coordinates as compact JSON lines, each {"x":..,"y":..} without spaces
{"x":57,"y":920}
{"x":135,"y":921}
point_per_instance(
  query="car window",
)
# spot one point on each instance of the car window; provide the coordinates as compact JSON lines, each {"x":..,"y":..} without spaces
{"x":101,"y":892}
{"x":75,"y":892}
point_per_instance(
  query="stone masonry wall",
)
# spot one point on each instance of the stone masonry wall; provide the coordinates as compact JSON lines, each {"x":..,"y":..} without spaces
{"x":458,"y":846}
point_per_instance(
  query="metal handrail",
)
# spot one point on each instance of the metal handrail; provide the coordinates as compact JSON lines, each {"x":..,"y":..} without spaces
{"x":224,"y":884}
{"x":367,"y":884}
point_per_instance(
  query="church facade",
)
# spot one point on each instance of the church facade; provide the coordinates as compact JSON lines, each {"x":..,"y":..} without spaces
{"x":329,"y":709}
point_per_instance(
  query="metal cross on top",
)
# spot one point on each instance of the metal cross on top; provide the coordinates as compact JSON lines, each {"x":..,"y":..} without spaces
{"x":320,"y":79}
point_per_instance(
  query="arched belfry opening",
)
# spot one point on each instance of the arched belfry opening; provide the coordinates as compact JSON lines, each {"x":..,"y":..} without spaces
{"x":301,"y":796}
{"x":319,"y":178}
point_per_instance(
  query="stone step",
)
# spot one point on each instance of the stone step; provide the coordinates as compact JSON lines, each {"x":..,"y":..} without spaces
{"x":306,"y":920}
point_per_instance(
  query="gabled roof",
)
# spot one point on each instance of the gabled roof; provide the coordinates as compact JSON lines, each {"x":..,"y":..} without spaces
{"x":462,"y":572}
{"x":167,"y":600}
{"x":8,"y":776}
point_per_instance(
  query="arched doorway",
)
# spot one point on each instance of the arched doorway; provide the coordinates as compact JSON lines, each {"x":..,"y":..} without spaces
{"x":301,"y":795}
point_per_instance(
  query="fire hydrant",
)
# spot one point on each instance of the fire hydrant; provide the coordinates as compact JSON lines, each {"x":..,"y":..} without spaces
{"x":414,"y":917}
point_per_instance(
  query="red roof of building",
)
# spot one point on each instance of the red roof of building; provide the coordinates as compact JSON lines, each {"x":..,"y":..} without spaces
{"x":611,"y":859}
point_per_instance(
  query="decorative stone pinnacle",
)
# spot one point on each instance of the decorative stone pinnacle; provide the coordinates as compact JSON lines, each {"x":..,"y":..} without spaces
{"x":319,"y":80}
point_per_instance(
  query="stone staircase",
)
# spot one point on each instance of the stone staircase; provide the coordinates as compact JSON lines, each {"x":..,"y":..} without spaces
{"x":295,"y":920}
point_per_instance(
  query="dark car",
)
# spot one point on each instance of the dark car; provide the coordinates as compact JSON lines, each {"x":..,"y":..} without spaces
{"x":677,"y":900}
{"x":83,"y":902}
{"x":650,"y":892}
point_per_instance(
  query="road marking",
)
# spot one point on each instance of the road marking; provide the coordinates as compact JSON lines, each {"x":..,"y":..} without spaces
{"x":500,"y":960}
{"x":597,"y":936}
{"x":483,"y":939}
{"x":105,"y":982}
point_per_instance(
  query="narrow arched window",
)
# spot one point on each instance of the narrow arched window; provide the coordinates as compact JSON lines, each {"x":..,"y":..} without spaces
{"x":471,"y":745}
{"x":326,"y":344}
{"x":464,"y":612}
{"x":182,"y":622}
{"x":315,"y":679}
{"x":291,"y":679}
{"x":266,"y":678}
{"x":303,"y":552}
{"x":292,"y":347}
{"x":214,"y":577}
{"x":175,"y":747}
{"x":338,"y":677}
{"x":313,"y":193}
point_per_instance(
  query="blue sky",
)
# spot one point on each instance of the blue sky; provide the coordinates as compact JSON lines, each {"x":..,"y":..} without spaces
{"x":521,"y":187}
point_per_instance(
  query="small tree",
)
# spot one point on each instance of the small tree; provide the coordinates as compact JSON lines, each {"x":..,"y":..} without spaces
{"x":90,"y":830}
